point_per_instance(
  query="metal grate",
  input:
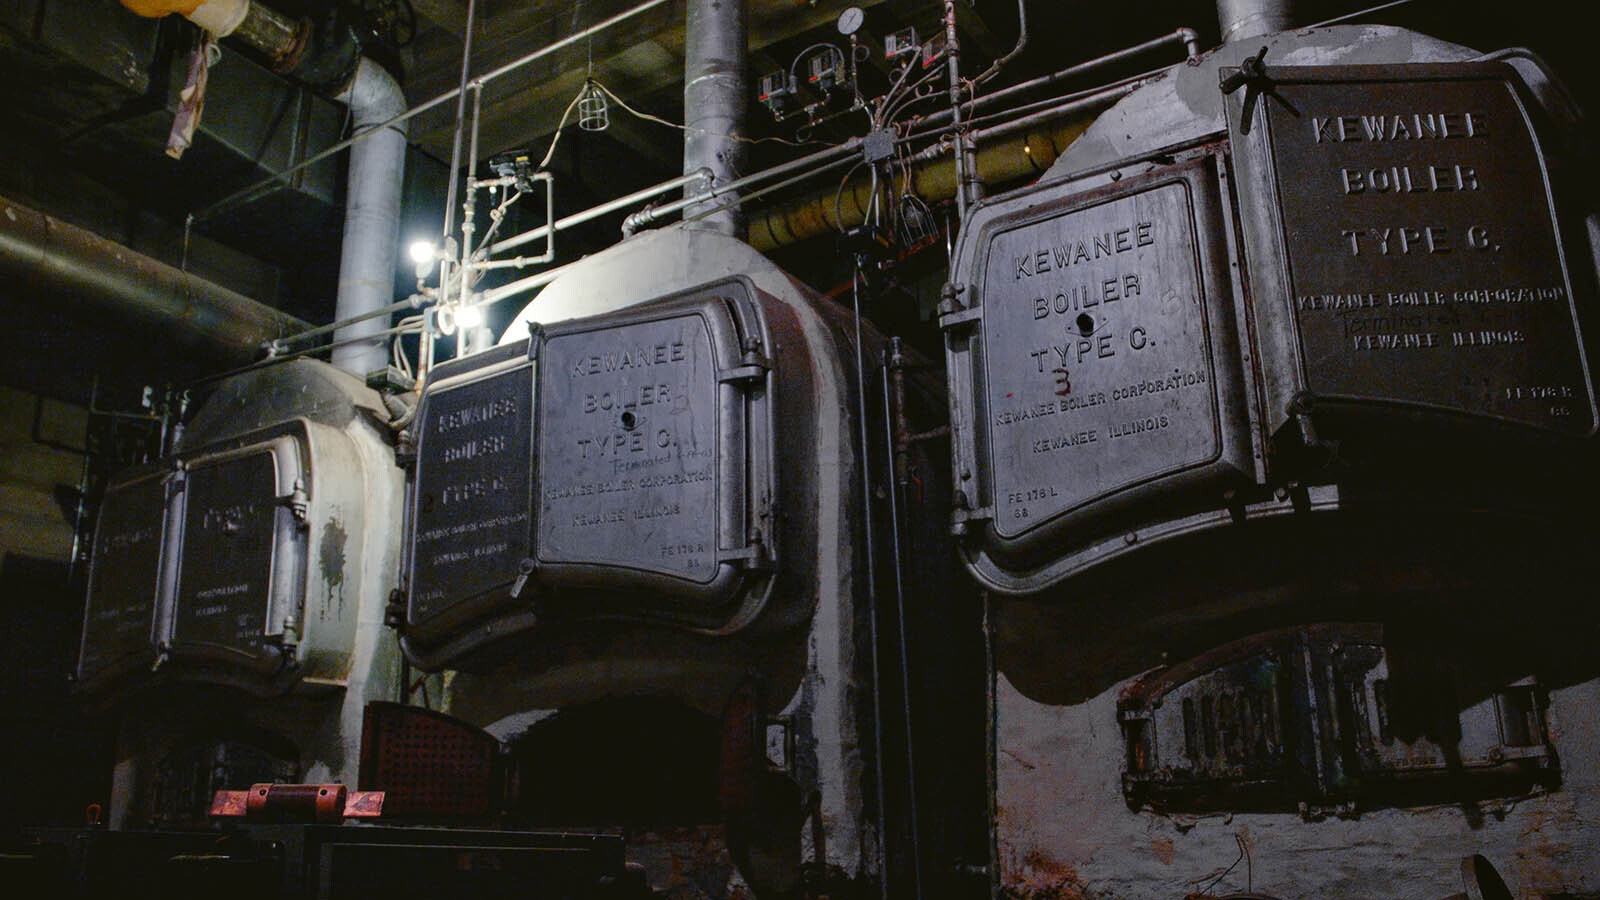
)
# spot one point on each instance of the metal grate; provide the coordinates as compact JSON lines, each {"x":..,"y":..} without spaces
{"x":428,"y":764}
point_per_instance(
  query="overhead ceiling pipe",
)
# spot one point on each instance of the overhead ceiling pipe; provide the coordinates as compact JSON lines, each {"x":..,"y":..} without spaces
{"x":1241,"y":19}
{"x":42,"y":255}
{"x":714,"y":104}
{"x":377,"y":162}
{"x":1006,"y":158}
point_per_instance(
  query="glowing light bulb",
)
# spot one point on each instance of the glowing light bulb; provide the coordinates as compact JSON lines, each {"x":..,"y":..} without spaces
{"x":469,"y":317}
{"x":423,"y":252}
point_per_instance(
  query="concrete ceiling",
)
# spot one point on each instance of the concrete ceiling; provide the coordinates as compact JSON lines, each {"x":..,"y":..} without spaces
{"x":641,"y":61}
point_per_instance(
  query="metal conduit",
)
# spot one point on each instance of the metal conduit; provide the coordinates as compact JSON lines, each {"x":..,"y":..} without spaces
{"x":44,"y":255}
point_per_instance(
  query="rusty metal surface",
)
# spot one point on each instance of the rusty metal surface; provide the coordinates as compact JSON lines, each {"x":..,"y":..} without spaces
{"x":230,"y":804}
{"x":688,"y":863}
{"x":430,"y":764}
{"x":364,"y":804}
{"x":1406,"y":247}
{"x":1319,"y":715}
{"x":1063,"y":830}
{"x":324,"y":803}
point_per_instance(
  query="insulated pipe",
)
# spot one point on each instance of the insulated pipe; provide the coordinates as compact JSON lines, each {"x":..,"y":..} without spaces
{"x":371,"y":216}
{"x":272,"y":33}
{"x":1241,"y":19}
{"x":377,"y":168}
{"x":714,"y":102}
{"x":996,"y":162}
{"x":44,"y":255}
{"x":220,"y":17}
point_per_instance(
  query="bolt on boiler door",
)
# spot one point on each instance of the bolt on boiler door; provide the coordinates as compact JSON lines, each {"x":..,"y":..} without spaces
{"x":124,"y":579}
{"x":1095,"y":361}
{"x":1406,"y":251}
{"x":653,"y":450}
{"x":241,"y":570}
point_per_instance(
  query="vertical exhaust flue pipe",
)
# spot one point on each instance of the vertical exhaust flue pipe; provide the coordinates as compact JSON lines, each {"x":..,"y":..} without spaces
{"x":371,"y":217}
{"x":1241,"y":19}
{"x":377,"y":163}
{"x":714,"y":105}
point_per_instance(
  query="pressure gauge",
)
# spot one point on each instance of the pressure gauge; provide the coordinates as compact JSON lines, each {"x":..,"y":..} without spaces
{"x":850,"y":20}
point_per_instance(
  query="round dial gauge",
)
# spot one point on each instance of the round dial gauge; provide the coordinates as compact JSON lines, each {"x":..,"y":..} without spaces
{"x":850,"y":20}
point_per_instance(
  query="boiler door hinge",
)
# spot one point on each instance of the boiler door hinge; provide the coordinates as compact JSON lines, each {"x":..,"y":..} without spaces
{"x":753,"y":555}
{"x":960,"y":319}
{"x":981,"y":514}
{"x":298,"y":502}
{"x":750,"y":372}
{"x":953,"y":313}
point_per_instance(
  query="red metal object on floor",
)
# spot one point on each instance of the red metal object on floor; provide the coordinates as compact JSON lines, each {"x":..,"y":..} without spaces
{"x":327,"y":803}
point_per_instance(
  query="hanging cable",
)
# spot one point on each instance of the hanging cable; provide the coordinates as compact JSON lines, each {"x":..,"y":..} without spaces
{"x":556,"y":139}
{"x":1360,"y":13}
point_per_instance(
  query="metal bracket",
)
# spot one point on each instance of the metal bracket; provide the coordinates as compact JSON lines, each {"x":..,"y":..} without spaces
{"x":525,"y":570}
{"x":394,"y":612}
{"x":298,"y":501}
{"x":751,"y":372}
{"x":981,"y":514}
{"x":753,"y":555}
{"x":1252,"y":76}
{"x":952,"y":314}
{"x":959,"y":319}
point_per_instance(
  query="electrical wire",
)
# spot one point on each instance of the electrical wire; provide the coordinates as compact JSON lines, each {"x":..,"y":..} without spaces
{"x":402,"y":361}
{"x":1359,"y":13}
{"x":916,"y":95}
{"x":1244,"y":857}
{"x":496,"y":216}
{"x":686,"y":129}
{"x":1026,"y":108}
{"x":840,"y":54}
{"x":838,"y":196}
{"x":549,"y":154}
{"x":888,"y":96}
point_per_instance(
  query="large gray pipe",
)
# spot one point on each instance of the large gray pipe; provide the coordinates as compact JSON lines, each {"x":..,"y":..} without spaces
{"x":61,"y":263}
{"x":371,"y":217}
{"x":1242,"y":19}
{"x":377,"y":168}
{"x":714,"y":104}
